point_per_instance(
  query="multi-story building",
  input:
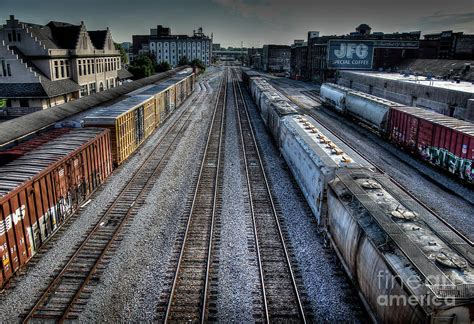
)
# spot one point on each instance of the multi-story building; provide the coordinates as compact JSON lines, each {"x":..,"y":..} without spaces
{"x":450,"y":45}
{"x":384,"y":58}
{"x":299,"y":60}
{"x":255,"y":58}
{"x":165,"y":47}
{"x":276,"y":58}
{"x":44,"y":66}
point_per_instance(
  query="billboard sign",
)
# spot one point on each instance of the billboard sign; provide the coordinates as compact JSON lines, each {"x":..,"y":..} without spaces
{"x":350,"y":54}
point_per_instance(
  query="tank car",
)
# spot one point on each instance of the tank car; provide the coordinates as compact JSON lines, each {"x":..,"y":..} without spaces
{"x":334,"y":96}
{"x":371,"y":110}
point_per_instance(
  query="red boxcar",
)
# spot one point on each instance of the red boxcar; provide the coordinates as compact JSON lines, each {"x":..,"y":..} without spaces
{"x":42,"y":187}
{"x":443,"y":141}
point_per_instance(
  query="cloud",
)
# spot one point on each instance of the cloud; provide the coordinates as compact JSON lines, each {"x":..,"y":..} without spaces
{"x":266,"y":10}
{"x":455,"y":21}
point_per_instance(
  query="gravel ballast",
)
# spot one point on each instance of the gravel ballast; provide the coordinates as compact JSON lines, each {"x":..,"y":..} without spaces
{"x":330,"y":294}
{"x":432,"y":187}
{"x":15,"y":301}
{"x":133,"y":284}
{"x":235,"y":299}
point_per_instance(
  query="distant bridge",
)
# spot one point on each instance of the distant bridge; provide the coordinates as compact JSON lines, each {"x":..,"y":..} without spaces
{"x":226,"y":55}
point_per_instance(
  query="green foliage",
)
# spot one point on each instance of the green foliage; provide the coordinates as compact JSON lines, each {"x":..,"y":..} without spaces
{"x":142,"y":67}
{"x":162,"y":67}
{"x":198,"y":63}
{"x":123,"y":54}
{"x":183,"y":61}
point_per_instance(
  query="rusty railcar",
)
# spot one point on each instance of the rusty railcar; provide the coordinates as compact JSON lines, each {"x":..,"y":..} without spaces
{"x":130,"y":121}
{"x":445,"y":142}
{"x":408,"y":265}
{"x":44,"y":186}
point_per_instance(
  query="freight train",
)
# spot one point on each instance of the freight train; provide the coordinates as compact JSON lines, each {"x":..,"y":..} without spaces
{"x":442,"y":141}
{"x":408,"y":265}
{"x":45,"y":179}
{"x":134,"y":118}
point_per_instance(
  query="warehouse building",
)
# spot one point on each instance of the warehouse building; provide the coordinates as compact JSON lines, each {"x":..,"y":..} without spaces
{"x":384,"y":57}
{"x":166,"y":47}
{"x":299,"y":60}
{"x":44,"y":66}
{"x":276,"y":58}
{"x":448,"y":97}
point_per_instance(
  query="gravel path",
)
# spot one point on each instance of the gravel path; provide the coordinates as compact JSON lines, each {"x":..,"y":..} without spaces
{"x":433,"y":188}
{"x":235,"y":299}
{"x":37,"y":276}
{"x":330,"y":294}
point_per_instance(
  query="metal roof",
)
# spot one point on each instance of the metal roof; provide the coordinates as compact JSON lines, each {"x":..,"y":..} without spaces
{"x":108,"y":115}
{"x":446,"y":121}
{"x":15,"y":129}
{"x":26,"y":167}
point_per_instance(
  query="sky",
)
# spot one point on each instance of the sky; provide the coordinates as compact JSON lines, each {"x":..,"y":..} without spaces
{"x":254,"y":23}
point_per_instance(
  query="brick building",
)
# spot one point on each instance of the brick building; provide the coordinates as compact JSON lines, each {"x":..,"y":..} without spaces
{"x":276,"y":58}
{"x":299,"y":61}
{"x":449,"y":45}
{"x":384,"y":58}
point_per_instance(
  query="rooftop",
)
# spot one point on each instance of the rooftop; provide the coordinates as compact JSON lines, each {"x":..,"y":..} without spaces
{"x":422,"y":80}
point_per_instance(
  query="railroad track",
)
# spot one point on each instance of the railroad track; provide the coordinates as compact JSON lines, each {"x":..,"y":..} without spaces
{"x":67,"y":293}
{"x":280,"y":294}
{"x":188,"y":297}
{"x":331,"y":129}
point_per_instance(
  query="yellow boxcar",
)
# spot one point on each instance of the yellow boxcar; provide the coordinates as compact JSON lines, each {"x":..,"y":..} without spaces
{"x":130,"y":121}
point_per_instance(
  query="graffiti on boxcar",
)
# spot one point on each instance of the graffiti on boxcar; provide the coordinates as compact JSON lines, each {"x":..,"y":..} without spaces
{"x":447,"y":160}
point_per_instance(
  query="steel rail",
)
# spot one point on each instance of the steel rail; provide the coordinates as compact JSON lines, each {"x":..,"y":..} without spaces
{"x":56,"y":281}
{"x":274,"y":211}
{"x":222,"y":89}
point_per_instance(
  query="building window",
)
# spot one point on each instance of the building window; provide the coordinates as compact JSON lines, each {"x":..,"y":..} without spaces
{"x":93,"y":66}
{"x":88,"y":66}
{"x":84,"y":67}
{"x":56,"y":70}
{"x":68,"y":72}
{"x":79,"y":65}
{"x":5,"y":69}
{"x":111,"y":84}
{"x":62,"y":69}
{"x":23,"y":102}
{"x":92,"y":88}
{"x":83,"y":90}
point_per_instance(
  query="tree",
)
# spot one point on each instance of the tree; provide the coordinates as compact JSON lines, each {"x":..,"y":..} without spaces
{"x":142,"y":66}
{"x":198,"y":63}
{"x":123,"y":53}
{"x":183,"y":61}
{"x":163,"y":67}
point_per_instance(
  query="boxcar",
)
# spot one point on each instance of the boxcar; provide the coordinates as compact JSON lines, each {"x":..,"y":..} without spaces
{"x":442,"y":141}
{"x":130,"y":122}
{"x":21,"y":149}
{"x":334,"y":96}
{"x":314,"y":155}
{"x":42,"y":187}
{"x":408,"y":265}
{"x":369,"y":109}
